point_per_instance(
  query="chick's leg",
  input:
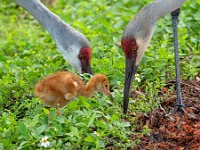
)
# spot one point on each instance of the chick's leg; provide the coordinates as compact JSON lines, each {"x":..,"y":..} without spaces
{"x":59,"y":112}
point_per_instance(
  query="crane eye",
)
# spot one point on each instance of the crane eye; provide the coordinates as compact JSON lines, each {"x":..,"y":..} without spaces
{"x":134,"y":48}
{"x":80,"y":56}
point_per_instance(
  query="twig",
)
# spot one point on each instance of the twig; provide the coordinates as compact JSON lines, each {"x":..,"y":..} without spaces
{"x":198,"y":89}
{"x":162,"y":109}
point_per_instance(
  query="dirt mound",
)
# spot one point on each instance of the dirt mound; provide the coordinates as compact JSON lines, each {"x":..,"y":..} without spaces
{"x":171,"y":130}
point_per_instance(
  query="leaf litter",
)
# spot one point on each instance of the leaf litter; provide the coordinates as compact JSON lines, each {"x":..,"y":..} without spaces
{"x":169,"y":128}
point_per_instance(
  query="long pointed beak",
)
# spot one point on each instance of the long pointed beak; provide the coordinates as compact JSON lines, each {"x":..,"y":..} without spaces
{"x":131,"y":69}
{"x":87,"y":69}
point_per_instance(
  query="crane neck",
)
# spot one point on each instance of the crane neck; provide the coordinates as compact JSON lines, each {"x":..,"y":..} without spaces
{"x":162,"y":7}
{"x":141,"y":27}
{"x":43,"y":15}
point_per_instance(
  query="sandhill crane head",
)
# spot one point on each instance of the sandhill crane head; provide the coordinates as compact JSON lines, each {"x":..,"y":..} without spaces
{"x":84,"y":59}
{"x":78,"y":57}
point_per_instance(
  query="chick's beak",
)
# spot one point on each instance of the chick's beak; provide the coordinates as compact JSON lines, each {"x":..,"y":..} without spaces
{"x":109,"y":94}
{"x":130,"y":72}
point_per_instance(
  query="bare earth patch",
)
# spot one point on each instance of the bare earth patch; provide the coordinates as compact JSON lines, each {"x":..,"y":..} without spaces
{"x":171,"y":130}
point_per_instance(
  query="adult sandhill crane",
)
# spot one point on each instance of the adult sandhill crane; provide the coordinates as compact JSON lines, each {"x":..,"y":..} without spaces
{"x":137,"y":36}
{"x":72,"y":44}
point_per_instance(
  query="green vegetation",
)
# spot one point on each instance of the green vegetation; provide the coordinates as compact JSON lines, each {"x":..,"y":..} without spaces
{"x":27,"y":53}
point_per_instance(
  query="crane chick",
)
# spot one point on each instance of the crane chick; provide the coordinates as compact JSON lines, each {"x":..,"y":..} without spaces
{"x":57,"y":90}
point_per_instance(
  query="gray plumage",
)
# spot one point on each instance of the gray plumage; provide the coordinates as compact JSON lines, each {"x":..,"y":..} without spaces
{"x":68,"y":40}
{"x":142,"y":25}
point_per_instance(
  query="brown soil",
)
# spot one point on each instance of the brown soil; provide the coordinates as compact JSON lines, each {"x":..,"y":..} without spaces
{"x":170,"y":129}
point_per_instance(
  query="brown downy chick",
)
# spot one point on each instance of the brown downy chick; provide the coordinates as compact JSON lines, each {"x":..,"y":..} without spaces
{"x":57,"y":90}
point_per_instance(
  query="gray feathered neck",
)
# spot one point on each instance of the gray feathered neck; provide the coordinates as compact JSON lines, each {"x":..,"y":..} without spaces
{"x":142,"y":25}
{"x":61,"y":32}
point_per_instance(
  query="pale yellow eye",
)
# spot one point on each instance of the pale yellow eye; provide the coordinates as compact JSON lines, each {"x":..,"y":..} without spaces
{"x":134,"y":48}
{"x":80,"y":56}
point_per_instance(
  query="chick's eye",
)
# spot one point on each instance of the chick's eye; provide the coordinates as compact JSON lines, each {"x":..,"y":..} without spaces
{"x":106,"y":85}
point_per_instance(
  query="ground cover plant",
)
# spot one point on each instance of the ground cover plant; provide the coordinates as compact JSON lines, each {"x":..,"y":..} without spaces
{"x":27,"y":53}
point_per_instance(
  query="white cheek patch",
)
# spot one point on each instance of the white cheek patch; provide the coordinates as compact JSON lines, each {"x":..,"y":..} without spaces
{"x":142,"y":47}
